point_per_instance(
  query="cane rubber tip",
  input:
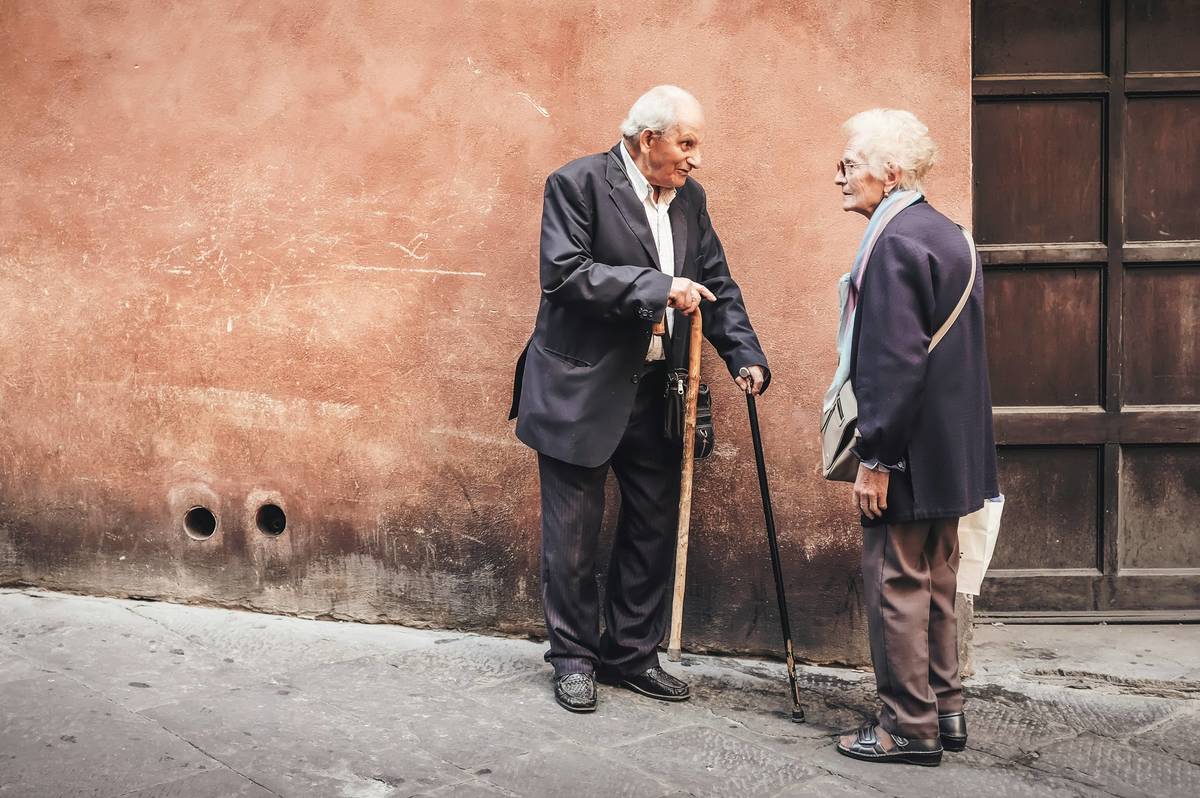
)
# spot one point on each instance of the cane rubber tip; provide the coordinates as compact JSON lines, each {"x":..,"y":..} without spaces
{"x":797,"y":716}
{"x":674,"y":654}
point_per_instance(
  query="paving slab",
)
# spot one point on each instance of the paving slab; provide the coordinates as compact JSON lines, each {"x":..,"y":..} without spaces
{"x":1008,"y":731}
{"x":567,"y":769}
{"x":830,"y":787}
{"x":214,"y":784}
{"x":473,"y":788}
{"x":469,"y":662}
{"x":1091,"y":710}
{"x":451,"y":722}
{"x":1178,"y":736}
{"x":22,"y":605}
{"x":457,"y":729}
{"x":1120,"y":769}
{"x":268,"y":642}
{"x":295,"y":745}
{"x":128,"y":658}
{"x":712,"y":762}
{"x":15,"y":668}
{"x":60,"y":738}
{"x":1130,"y":653}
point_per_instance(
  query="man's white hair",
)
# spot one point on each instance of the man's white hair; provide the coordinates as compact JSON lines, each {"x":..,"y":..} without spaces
{"x":890,"y":137}
{"x":656,"y":110}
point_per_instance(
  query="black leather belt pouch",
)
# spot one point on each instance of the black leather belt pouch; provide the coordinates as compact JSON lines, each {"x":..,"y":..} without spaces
{"x":675,"y":417}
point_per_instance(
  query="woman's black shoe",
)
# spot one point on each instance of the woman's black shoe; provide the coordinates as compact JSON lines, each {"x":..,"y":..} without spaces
{"x":575,"y":692}
{"x":866,"y":746}
{"x":952,"y":727}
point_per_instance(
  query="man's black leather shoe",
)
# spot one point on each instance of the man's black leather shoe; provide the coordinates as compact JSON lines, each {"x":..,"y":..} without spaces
{"x":575,"y":692}
{"x":867,"y":747}
{"x":953,"y":730}
{"x":653,"y":682}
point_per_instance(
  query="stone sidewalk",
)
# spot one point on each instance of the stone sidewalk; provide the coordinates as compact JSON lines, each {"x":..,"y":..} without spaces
{"x":106,"y":698}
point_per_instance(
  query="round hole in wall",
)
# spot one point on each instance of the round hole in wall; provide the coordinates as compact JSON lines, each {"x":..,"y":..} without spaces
{"x":199,"y":523}
{"x":271,"y":519}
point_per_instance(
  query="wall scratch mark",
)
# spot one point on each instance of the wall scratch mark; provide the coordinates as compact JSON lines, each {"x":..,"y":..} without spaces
{"x":532,"y":102}
{"x":413,"y":246}
{"x":476,"y":437}
{"x":447,"y":271}
{"x":357,"y":267}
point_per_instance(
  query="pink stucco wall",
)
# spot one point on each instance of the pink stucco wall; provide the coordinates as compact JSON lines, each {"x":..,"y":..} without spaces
{"x":287,"y":252}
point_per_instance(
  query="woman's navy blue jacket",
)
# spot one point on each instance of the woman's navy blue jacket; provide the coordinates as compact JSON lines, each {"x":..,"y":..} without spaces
{"x":927,"y":415}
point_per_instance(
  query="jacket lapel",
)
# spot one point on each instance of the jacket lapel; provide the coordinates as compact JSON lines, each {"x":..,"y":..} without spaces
{"x":627,"y":203}
{"x":679,"y":230}
{"x":679,"y":242}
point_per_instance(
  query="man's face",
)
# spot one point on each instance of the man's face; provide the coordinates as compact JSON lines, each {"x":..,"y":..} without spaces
{"x":672,"y":155}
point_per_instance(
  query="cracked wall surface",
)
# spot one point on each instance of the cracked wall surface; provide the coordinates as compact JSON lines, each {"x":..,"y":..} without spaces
{"x":287,"y":253}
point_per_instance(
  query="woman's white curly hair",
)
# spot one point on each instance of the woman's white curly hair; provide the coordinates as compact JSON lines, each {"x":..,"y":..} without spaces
{"x":887,"y":136}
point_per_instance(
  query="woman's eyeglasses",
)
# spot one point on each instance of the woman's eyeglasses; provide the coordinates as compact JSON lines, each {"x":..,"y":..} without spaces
{"x":846,"y":167}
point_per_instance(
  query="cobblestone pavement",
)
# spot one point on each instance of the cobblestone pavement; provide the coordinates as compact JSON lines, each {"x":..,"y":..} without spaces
{"x":104,"y":698}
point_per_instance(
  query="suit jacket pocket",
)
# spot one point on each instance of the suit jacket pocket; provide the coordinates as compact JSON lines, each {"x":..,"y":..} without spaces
{"x":568,"y":359}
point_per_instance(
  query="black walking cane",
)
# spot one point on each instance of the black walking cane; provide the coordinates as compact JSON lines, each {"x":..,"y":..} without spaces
{"x":765,"y":492}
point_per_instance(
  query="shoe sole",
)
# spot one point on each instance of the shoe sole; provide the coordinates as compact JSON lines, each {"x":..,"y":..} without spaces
{"x":657,"y":696}
{"x":577,"y":710}
{"x":929,"y":760}
{"x":954,"y":744}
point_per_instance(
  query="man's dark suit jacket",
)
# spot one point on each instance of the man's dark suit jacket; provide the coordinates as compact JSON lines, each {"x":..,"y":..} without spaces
{"x":602,"y":291}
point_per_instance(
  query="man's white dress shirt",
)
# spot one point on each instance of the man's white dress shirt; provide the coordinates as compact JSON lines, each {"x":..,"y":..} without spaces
{"x":660,"y":227}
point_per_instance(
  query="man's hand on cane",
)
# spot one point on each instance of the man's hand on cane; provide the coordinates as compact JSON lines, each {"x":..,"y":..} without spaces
{"x":751,"y":379}
{"x":686,"y":294}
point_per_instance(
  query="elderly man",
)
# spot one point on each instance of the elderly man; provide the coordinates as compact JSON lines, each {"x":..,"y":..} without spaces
{"x":626,"y":242}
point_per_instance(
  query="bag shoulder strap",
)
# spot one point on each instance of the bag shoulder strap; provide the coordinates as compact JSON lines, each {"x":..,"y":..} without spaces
{"x":962,"y":302}
{"x":869,"y":247}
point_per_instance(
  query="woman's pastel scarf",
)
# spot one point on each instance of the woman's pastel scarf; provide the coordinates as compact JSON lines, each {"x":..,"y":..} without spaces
{"x":851,"y":283}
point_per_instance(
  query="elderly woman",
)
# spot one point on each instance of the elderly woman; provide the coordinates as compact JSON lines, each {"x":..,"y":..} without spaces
{"x":912,"y":347}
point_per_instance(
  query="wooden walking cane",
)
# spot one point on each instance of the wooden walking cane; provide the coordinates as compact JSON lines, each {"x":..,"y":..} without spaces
{"x":674,"y":652}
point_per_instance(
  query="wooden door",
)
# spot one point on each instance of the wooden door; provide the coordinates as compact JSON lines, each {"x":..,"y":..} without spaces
{"x":1087,"y":212}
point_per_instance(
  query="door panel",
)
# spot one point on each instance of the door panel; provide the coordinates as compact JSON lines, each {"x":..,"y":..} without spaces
{"x":1044,"y":333}
{"x":1160,"y":490}
{"x":1053,"y":519}
{"x":1162,"y":35}
{"x":1163,"y":162}
{"x":1162,"y":347}
{"x":1038,"y":170}
{"x":1022,"y":38}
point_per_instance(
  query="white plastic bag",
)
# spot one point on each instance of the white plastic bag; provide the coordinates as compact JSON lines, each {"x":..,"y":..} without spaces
{"x":977,"y":535}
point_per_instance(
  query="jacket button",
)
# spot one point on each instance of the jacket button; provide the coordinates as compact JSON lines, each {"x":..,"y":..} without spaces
{"x":634,"y":379}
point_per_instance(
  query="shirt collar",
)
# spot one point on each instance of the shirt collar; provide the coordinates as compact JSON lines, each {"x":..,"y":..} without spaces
{"x":641,"y":186}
